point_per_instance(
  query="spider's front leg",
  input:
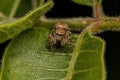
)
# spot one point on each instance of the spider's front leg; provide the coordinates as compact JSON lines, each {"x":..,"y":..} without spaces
{"x":67,"y":39}
{"x":52,"y":42}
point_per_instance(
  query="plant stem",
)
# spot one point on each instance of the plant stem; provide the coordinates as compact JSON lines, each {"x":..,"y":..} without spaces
{"x":14,"y":8}
{"x":107,"y":23}
{"x":97,"y":9}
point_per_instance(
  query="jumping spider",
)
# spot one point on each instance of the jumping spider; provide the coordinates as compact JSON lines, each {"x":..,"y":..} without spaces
{"x":60,"y":36}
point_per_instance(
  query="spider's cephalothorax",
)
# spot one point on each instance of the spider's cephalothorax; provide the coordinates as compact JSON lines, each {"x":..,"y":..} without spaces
{"x":60,"y":36}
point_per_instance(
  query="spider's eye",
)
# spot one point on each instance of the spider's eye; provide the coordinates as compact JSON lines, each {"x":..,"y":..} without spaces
{"x":59,"y":34}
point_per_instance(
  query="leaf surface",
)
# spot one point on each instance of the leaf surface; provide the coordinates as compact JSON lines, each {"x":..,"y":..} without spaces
{"x":28,"y":57}
{"x":31,"y":59}
{"x":11,"y":29}
{"x":24,"y":7}
{"x":15,"y":8}
{"x":6,"y":6}
{"x":87,"y":62}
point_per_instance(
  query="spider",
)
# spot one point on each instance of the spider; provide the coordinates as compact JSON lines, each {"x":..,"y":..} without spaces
{"x":60,"y":36}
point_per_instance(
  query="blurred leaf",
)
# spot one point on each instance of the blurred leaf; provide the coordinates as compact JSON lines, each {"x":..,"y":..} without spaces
{"x":41,"y":2}
{"x":28,"y":57}
{"x":6,"y":6}
{"x":24,"y":7}
{"x":14,"y":9}
{"x":11,"y":29}
{"x":86,"y":2}
{"x":27,"y":5}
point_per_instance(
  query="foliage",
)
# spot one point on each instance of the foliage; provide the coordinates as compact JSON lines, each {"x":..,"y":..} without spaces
{"x":28,"y":55}
{"x":86,"y":2}
{"x":9,"y":30}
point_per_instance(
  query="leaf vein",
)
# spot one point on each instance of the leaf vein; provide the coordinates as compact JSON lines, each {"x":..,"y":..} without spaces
{"x":87,"y":70}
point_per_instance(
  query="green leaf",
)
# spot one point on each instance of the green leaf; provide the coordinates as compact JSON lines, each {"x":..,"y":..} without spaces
{"x":27,"y":5}
{"x":14,"y":9}
{"x":34,"y":3}
{"x":24,"y":7}
{"x":6,"y":6}
{"x":28,"y":57}
{"x":41,"y":2}
{"x":9,"y":30}
{"x":87,"y":62}
{"x":86,"y":2}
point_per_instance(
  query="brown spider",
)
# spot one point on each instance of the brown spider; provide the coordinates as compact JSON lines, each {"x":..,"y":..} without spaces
{"x":60,"y":36}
